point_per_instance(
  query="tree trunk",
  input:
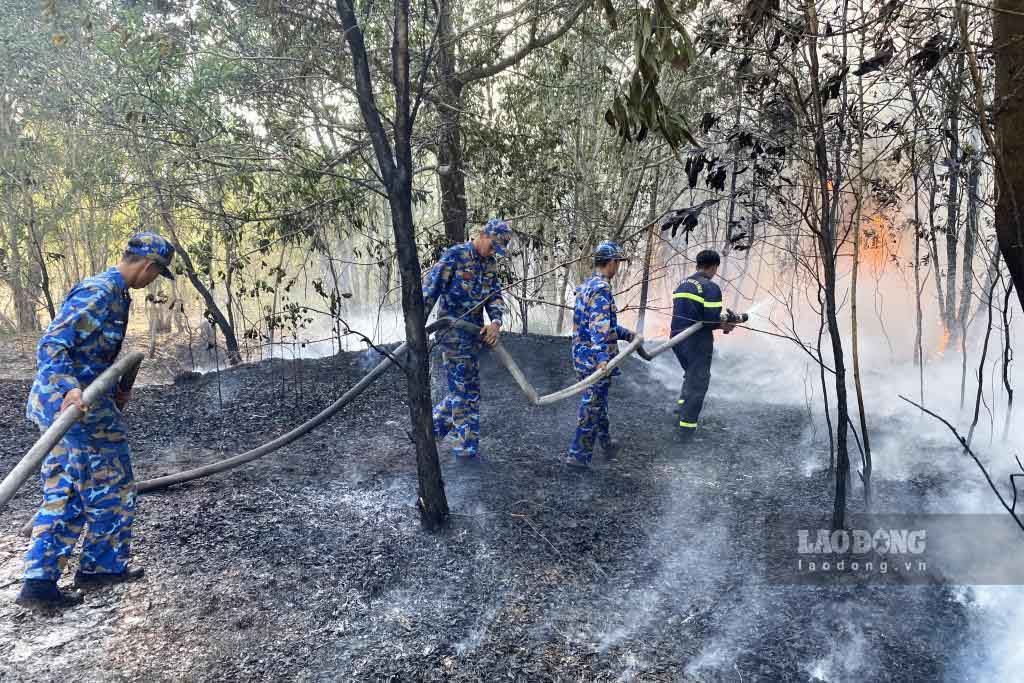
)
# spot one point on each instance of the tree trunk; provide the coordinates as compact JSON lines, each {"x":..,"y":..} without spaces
{"x":826,"y":242}
{"x":562,"y":296}
{"x":10,"y":132}
{"x":953,"y":200}
{"x":933,"y":246}
{"x":24,"y":310}
{"x":396,"y":170}
{"x":1008,"y":37}
{"x":450,"y":175}
{"x":652,"y":216}
{"x":44,"y":272}
{"x":970,"y":239}
{"x":867,"y":466}
{"x":229,"y":271}
{"x":1007,"y":358}
{"x":230,"y":341}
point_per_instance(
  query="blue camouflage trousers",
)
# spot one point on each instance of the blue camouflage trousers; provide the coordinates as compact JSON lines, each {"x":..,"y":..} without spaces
{"x":591,"y":420}
{"x":87,"y":479}
{"x":459,"y":411}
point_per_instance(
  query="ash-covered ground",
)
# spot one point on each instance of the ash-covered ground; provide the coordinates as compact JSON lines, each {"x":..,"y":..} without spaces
{"x":311,"y":564}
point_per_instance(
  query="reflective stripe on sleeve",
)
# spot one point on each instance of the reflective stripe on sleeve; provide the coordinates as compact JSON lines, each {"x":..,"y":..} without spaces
{"x":699,"y":299}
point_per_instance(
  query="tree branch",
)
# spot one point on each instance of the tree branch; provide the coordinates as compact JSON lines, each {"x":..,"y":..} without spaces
{"x":534,"y":43}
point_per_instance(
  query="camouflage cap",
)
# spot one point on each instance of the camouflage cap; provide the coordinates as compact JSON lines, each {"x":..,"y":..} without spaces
{"x":500,"y":233}
{"x":153,"y":247}
{"x":609,"y":251}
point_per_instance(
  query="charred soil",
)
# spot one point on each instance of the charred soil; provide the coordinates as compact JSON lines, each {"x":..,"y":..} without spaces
{"x":311,"y":564}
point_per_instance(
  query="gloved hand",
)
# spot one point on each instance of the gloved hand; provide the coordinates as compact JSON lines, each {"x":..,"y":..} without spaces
{"x":730,"y":319}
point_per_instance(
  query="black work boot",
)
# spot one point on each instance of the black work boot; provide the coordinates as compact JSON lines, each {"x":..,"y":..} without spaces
{"x":610,"y":449}
{"x":575,"y":463}
{"x":44,"y":594}
{"x":100,"y":579}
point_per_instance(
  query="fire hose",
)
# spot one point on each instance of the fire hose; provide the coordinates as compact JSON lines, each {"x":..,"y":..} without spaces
{"x":124,"y":369}
{"x":42,"y":447}
{"x":44,"y":444}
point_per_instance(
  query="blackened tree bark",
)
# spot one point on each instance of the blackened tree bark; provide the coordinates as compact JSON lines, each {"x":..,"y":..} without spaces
{"x":449,"y":103}
{"x":826,"y":233}
{"x":450,"y":175}
{"x":1008,"y":38}
{"x":396,"y":170}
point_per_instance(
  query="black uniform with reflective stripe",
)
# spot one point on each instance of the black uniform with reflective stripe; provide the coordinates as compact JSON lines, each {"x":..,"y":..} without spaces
{"x":696,"y":298}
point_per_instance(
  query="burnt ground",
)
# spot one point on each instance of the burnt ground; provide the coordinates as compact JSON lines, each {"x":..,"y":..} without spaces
{"x":311,"y":564}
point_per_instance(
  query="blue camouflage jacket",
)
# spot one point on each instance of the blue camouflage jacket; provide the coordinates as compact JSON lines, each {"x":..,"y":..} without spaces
{"x":81,"y":342}
{"x":596,"y":325}
{"x":697,"y":298}
{"x":461,"y":281}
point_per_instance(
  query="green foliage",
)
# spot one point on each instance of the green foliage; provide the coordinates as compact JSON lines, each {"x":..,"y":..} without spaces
{"x":659,"y":40}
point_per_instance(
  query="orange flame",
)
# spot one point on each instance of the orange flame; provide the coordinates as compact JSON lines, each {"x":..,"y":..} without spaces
{"x":874,"y":252}
{"x":943,"y":343}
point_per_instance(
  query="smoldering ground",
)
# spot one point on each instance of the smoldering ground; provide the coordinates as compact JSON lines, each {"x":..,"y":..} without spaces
{"x":311,"y":565}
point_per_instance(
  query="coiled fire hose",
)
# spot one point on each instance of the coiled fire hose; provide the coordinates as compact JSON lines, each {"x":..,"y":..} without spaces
{"x":30,"y":463}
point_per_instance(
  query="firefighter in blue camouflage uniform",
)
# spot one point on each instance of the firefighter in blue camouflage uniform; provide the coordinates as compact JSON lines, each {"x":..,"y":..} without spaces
{"x":697,"y":298}
{"x":596,"y":331}
{"x":465,"y":282}
{"x":87,"y":477}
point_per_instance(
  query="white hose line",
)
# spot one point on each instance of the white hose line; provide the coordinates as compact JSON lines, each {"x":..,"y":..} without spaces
{"x":30,"y":464}
{"x":287,"y":438}
{"x":503,"y":356}
{"x":668,"y":344}
{"x":579,"y":387}
{"x":279,"y":442}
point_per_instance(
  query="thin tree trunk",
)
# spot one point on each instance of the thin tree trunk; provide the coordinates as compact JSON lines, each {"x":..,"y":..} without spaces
{"x":981,"y":367}
{"x":731,"y":213}
{"x":865,"y":474}
{"x":967,"y":270}
{"x":450,"y":174}
{"x":396,"y":170}
{"x":826,"y":239}
{"x":933,"y":246}
{"x":230,"y":341}
{"x":918,"y":313}
{"x":1007,"y":357}
{"x":24,"y":310}
{"x":652,"y":215}
{"x":953,"y":200}
{"x":970,"y":238}
{"x":562,"y":296}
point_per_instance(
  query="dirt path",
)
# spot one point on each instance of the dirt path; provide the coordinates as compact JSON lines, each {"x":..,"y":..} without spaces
{"x":311,"y":565}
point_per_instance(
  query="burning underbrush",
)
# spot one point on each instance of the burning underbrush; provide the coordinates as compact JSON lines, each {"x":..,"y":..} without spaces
{"x":310,"y":565}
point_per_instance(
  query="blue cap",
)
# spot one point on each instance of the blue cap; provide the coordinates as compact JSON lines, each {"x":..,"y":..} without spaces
{"x":609,"y":251}
{"x":153,"y":247}
{"x":500,"y":233}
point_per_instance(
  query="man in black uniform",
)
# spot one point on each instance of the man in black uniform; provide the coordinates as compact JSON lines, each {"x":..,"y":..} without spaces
{"x":697,"y":299}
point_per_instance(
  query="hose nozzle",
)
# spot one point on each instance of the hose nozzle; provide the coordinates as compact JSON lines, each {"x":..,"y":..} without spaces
{"x":730,"y":316}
